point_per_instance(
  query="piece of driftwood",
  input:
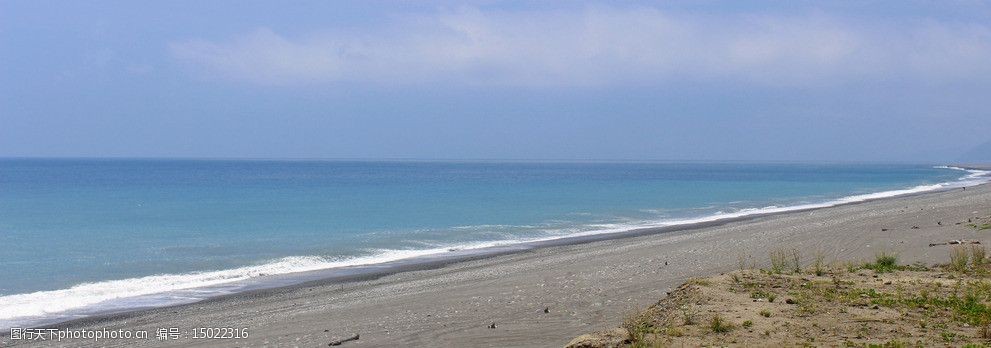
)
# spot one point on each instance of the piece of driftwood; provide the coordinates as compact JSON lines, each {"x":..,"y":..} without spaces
{"x":349,"y":339}
{"x":956,"y":241}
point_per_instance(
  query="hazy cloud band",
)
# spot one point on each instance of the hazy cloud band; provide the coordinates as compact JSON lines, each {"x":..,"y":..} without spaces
{"x":597,"y":46}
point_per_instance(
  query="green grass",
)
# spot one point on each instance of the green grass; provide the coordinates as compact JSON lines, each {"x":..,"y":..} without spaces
{"x":638,"y":325}
{"x":785,"y":261}
{"x":981,"y":227}
{"x":689,"y":313}
{"x":948,"y":336}
{"x":818,"y":265}
{"x":700,"y":282}
{"x":720,"y":325}
{"x":978,"y":257}
{"x":779,"y":261}
{"x":760,"y":294}
{"x":968,"y":258}
{"x":889,"y":344}
{"x":883,"y":263}
{"x":939,"y":307}
{"x":959,"y":259}
{"x":969,"y":308}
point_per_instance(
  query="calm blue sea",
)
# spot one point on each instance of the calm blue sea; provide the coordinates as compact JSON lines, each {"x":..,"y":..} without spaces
{"x":83,"y":233}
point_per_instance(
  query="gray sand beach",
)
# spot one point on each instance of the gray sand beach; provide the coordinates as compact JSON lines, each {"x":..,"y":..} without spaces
{"x":547,"y":296}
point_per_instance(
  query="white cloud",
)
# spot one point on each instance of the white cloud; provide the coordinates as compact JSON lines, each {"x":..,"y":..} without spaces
{"x":264,"y":56}
{"x":596,"y":46}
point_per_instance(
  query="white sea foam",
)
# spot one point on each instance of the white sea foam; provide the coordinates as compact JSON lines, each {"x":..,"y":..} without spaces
{"x":49,"y":303}
{"x":45,"y":303}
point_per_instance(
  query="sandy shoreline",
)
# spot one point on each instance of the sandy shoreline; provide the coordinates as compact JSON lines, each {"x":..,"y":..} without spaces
{"x":585,"y":287}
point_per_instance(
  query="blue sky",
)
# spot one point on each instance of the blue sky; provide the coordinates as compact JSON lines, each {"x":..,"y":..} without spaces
{"x":699,"y":80}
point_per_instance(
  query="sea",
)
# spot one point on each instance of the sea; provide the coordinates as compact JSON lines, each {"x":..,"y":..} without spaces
{"x":82,"y":237}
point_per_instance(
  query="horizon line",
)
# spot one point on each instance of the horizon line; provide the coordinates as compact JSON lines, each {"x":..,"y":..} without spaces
{"x":478,"y":160}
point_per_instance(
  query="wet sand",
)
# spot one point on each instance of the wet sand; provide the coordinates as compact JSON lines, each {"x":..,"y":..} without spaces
{"x":583,"y":287}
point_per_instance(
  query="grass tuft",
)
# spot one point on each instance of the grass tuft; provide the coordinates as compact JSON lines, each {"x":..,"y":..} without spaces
{"x":720,"y":325}
{"x":978,"y":256}
{"x":689,"y":314}
{"x":883,"y":263}
{"x":959,"y":258}
{"x":796,"y":261}
{"x":785,"y":260}
{"x":746,"y":261}
{"x":818,"y":264}
{"x":638,"y":325}
{"x":981,"y":227}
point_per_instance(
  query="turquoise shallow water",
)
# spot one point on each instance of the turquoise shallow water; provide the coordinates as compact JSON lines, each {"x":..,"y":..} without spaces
{"x":111,"y":224}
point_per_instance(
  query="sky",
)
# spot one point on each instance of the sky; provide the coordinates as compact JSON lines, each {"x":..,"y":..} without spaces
{"x":898,"y":81}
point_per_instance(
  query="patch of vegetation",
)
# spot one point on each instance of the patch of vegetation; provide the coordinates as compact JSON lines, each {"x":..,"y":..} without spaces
{"x":968,"y":259}
{"x":889,"y":344}
{"x":981,"y":227}
{"x":761,"y":294}
{"x":959,"y":259}
{"x":746,"y":261}
{"x":689,"y":313}
{"x":969,"y":308}
{"x":785,"y":260}
{"x":720,"y":325}
{"x":883,"y":263}
{"x":818,"y":265}
{"x":638,"y":325}
{"x":948,"y":336}
{"x":978,"y":256}
{"x":700,"y":282}
{"x":880,"y":301}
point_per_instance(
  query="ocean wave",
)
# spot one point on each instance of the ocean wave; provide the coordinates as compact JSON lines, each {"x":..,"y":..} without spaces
{"x":42,"y":304}
{"x":45,"y":303}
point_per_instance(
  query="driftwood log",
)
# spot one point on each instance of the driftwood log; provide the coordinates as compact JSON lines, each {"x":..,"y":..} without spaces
{"x":956,"y":241}
{"x":349,"y":339}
